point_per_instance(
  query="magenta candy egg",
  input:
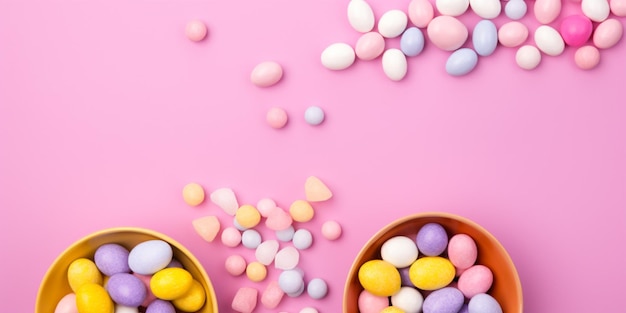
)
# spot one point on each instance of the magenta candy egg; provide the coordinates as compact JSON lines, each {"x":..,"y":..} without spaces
{"x":126,"y":289}
{"x":370,"y":303}
{"x":512,"y":34}
{"x":369,"y":46}
{"x":266,"y":74}
{"x":462,"y":251}
{"x":447,"y":33}
{"x":608,"y":33}
{"x":474,"y":280}
{"x":420,"y":12}
{"x":587,"y":57}
{"x":576,"y":30}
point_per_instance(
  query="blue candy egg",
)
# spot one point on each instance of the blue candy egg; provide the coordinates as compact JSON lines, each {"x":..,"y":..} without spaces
{"x":485,"y":37}
{"x":484,"y":303}
{"x":461,"y":62}
{"x":317,"y":288}
{"x":150,"y":256}
{"x":412,"y":41}
{"x":444,"y":300}
{"x":515,"y":9}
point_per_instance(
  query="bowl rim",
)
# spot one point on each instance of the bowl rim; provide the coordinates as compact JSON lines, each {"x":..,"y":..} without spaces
{"x":134,"y":229}
{"x":432,"y":214}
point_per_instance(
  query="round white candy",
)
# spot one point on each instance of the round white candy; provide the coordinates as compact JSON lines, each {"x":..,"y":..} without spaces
{"x":361,"y":16}
{"x":452,"y":7}
{"x":549,"y":41}
{"x":338,"y":56}
{"x":314,"y":115}
{"x":290,"y":281}
{"x":150,"y":256}
{"x":528,"y":57}
{"x":285,"y":234}
{"x":408,"y":299}
{"x":400,"y":251}
{"x":392,"y":23}
{"x":317,"y":288}
{"x":302,"y":239}
{"x":251,"y":239}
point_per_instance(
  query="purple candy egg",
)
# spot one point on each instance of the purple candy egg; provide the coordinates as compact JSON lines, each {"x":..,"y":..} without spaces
{"x":160,"y":306}
{"x":432,"y":239}
{"x":127,"y":289}
{"x":484,"y":303}
{"x":404,"y":277}
{"x":464,"y":308}
{"x":112,"y":258}
{"x":175,"y":263}
{"x":444,"y":300}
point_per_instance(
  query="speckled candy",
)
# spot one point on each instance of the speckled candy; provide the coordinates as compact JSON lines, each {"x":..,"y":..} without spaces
{"x":400,"y":251}
{"x":474,"y":280}
{"x":431,"y":273}
{"x":93,"y":298}
{"x":444,"y":300}
{"x":150,"y":256}
{"x":170,"y":283}
{"x":370,"y":303}
{"x":432,"y":239}
{"x":272,"y":295}
{"x":126,"y":289}
{"x":193,"y":299}
{"x":483,"y":303}
{"x":462,"y":251}
{"x":111,"y":259}
{"x":160,"y":306}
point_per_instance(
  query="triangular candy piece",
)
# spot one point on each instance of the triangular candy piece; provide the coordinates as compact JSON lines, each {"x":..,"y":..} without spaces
{"x":315,"y":190}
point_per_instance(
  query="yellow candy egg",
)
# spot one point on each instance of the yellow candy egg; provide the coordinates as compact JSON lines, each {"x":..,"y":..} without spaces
{"x":93,"y":298}
{"x":379,"y":277}
{"x":193,"y":300}
{"x":247,"y":216}
{"x":82,"y":271}
{"x":432,"y":272}
{"x":256,"y":271}
{"x":392,"y":309}
{"x":170,"y":283}
{"x":301,"y":211}
{"x":193,"y":194}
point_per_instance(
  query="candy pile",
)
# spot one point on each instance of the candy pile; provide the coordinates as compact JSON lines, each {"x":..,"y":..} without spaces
{"x":290,"y":239}
{"x":429,"y":274}
{"x":446,"y":32}
{"x":145,"y":279}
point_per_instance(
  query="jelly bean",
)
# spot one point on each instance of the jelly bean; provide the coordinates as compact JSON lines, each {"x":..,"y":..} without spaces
{"x":331,"y":230}
{"x":608,"y":33}
{"x":447,"y":33}
{"x":474,"y":280}
{"x":576,"y":30}
{"x":287,"y":258}
{"x":196,"y":30}
{"x":432,"y":238}
{"x":111,"y":259}
{"x":528,"y":57}
{"x":487,"y":9}
{"x":150,"y":256}
{"x":83,"y":271}
{"x":266,"y":252}
{"x":400,"y":251}
{"x":448,"y":299}
{"x":512,"y":34}
{"x":587,"y":57}
{"x":290,"y":281}
{"x":394,"y":64}
{"x":462,"y":251}
{"x":452,"y":7}
{"x":317,"y":288}
{"x":361,"y":16}
{"x":285,"y":234}
{"x":207,"y":227}
{"x":302,"y":239}
{"x":235,"y":265}
{"x":546,"y":11}
{"x":408,"y":299}
{"x":251,"y":239}
{"x":315,"y":190}
{"x":618,"y":7}
{"x":314,"y":115}
{"x":225,"y":199}
{"x":160,"y":306}
{"x":126,"y":289}
{"x":301,"y":211}
{"x":276,"y":117}
{"x":370,"y":303}
{"x":67,"y":304}
{"x":231,"y":237}
{"x":515,"y":9}
{"x":392,"y":23}
{"x":596,"y":10}
{"x":549,"y":41}
{"x":193,"y":194}
{"x":485,"y":37}
{"x":247,"y":216}
{"x":420,"y":12}
{"x":338,"y":56}
{"x":379,"y":277}
{"x":484,"y":303}
{"x":431,"y":272}
{"x":266,"y":74}
{"x":272,"y":295}
{"x":369,"y":46}
{"x":245,"y":300}
{"x":170,"y":283}
{"x":93,"y":298}
{"x":412,"y":42}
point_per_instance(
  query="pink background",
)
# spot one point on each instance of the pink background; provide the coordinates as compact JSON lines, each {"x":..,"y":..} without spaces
{"x":107,"y":110}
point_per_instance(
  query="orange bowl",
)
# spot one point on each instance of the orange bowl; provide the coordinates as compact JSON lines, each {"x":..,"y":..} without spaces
{"x":506,"y":288}
{"x":55,"y":285}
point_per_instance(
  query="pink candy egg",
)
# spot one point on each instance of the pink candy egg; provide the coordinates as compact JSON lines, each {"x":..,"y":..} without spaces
{"x":421,"y":12}
{"x":618,"y":7}
{"x":547,"y":11}
{"x":196,"y":30}
{"x":462,"y":251}
{"x":474,"y":280}
{"x":608,"y":33}
{"x":67,"y":304}
{"x":587,"y":57}
{"x":369,"y":46}
{"x":266,"y":74}
{"x":512,"y":34}
{"x":235,"y":265}
{"x":370,"y":303}
{"x":576,"y":30}
{"x":276,"y":117}
{"x":447,"y":33}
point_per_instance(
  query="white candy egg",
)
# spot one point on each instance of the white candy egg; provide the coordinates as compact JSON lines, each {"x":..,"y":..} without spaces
{"x":528,"y":57}
{"x":394,"y":64}
{"x":596,"y":10}
{"x":408,"y":299}
{"x":452,"y":7}
{"x":549,"y":41}
{"x":338,"y":56}
{"x":392,"y":23}
{"x":361,"y":16}
{"x":486,"y":9}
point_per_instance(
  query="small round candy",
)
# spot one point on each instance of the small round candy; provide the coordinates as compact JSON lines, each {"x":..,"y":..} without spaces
{"x":276,"y":117}
{"x":193,"y":194}
{"x":266,"y":74}
{"x":301,"y":211}
{"x":317,"y":288}
{"x":247,"y":216}
{"x":432,"y":239}
{"x":369,"y":46}
{"x":251,"y":239}
{"x":515,"y":9}
{"x":235,"y":265}
{"x":528,"y":57}
{"x":483,"y":302}
{"x":474,"y":280}
{"x":160,"y":306}
{"x":192,"y":300}
{"x":285,"y":234}
{"x":448,"y":299}
{"x":447,"y":33}
{"x":400,"y":251}
{"x":587,"y":57}
{"x":150,"y":256}
{"x":290,"y":281}
{"x":314,"y":115}
{"x":331,"y":230}
{"x":237,"y":225}
{"x":196,"y":30}
{"x":576,"y":30}
{"x":126,"y":289}
{"x":82,"y":271}
{"x":265,"y":205}
{"x":67,"y":304}
{"x":462,"y":251}
{"x":302,"y":239}
{"x":231,"y":237}
{"x":170,"y":283}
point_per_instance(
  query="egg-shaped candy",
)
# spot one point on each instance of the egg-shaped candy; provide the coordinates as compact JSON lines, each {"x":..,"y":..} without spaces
{"x":370,"y":303}
{"x":160,"y":306}
{"x":431,"y":272}
{"x":512,"y":34}
{"x":461,"y":62}
{"x":338,"y":56}
{"x":266,"y":74}
{"x":618,"y":7}
{"x":408,"y":299}
{"x":462,"y":251}
{"x":447,"y":33}
{"x":394,"y":64}
{"x":487,"y":9}
{"x":485,"y":38}
{"x":361,"y":16}
{"x":192,"y":300}
{"x":170,"y":283}
{"x":432,"y":238}
{"x":83,"y":271}
{"x":392,"y":23}
{"x":150,"y":256}
{"x":126,"y":289}
{"x":369,"y":46}
{"x":576,"y":30}
{"x":546,"y":11}
{"x":528,"y":57}
{"x":444,"y":300}
{"x":587,"y":57}
{"x":400,"y":251}
{"x":379,"y":277}
{"x":420,"y":12}
{"x":596,"y":10}
{"x":515,"y":9}
{"x":549,"y":41}
{"x":483,"y":302}
{"x":93,"y":298}
{"x":474,"y":280}
{"x":67,"y":304}
{"x":452,"y":7}
{"x":112,"y":258}
{"x":608,"y":33}
{"x":412,"y":42}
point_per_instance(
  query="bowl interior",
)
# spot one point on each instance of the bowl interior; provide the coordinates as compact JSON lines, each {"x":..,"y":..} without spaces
{"x":55,"y":285}
{"x":506,"y":286}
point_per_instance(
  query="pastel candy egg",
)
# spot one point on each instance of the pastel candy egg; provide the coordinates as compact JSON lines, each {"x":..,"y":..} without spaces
{"x":447,"y":33}
{"x":464,"y":309}
{"x":528,"y":57}
{"x":287,"y":258}
{"x":486,"y":9}
{"x":431,"y":272}
{"x":369,"y":46}
{"x":170,"y":283}
{"x":379,"y":277}
{"x":420,"y":12}
{"x":150,"y":256}
{"x":596,"y":10}
{"x":235,"y":265}
{"x":452,"y":7}
{"x":301,"y":211}
{"x":83,"y":271}
{"x":331,"y":230}
{"x":276,"y":117}
{"x":484,"y":303}
{"x":444,"y":300}
{"x":338,"y":56}
{"x":193,"y":194}
{"x":432,"y":238}
{"x":515,"y":9}
{"x":247,"y":216}
{"x":392,"y":23}
{"x":272,"y":295}
{"x":251,"y":238}
{"x":394,"y":64}
{"x":302,"y":239}
{"x":225,"y":199}
{"x":67,"y":304}
{"x":266,"y":74}
{"x":361,"y":16}
{"x":485,"y":37}
{"x":231,"y":237}
{"x":256,"y":271}
{"x":290,"y":281}
{"x":309,"y":310}
{"x":549,"y":40}
{"x":608,"y":33}
{"x":266,"y":251}
{"x":160,"y":306}
{"x":317,"y":288}
{"x":412,"y":42}
{"x":195,"y":30}
{"x":408,"y":299}
{"x":462,"y":251}
{"x":587,"y":57}
{"x":512,"y":34}
{"x":576,"y":30}
{"x":400,"y":251}
{"x":112,"y":258}
{"x":93,"y":298}
{"x":547,"y":11}
{"x":265,"y":205}
{"x":126,"y":289}
{"x":618,"y":7}
{"x":314,"y":115}
{"x":278,"y":219}
{"x":370,"y":303}
{"x":474,"y":280}
{"x":405,"y":277}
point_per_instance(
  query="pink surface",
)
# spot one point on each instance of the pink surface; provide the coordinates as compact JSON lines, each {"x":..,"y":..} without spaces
{"x":107,"y":110}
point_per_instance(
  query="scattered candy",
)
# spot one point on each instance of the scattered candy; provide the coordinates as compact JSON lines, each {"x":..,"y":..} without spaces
{"x":331,"y":230}
{"x":412,"y":42}
{"x":361,"y":16}
{"x":235,"y":265}
{"x":452,"y":7}
{"x":309,"y":310}
{"x":207,"y":227}
{"x":338,"y":56}
{"x":421,"y":12}
{"x":314,"y":115}
{"x":225,"y":199}
{"x":485,"y":38}
{"x":317,"y":288}
{"x":394,"y":64}
{"x":256,"y":271}
{"x":290,"y":281}
{"x":576,"y":30}
{"x":278,"y":219}
{"x":287,"y":259}
{"x":272,"y":295}
{"x":515,"y":9}
{"x":447,"y":33}
{"x":596,"y":10}
{"x":265,"y":206}
{"x":266,"y":74}
{"x":512,"y":34}
{"x":266,"y":252}
{"x":231,"y":237}
{"x":247,"y":216}
{"x":587,"y":57}
{"x":193,"y":194}
{"x":392,"y":23}
{"x":369,"y":46}
{"x":196,"y":30}
{"x":301,"y":211}
{"x":245,"y":300}
{"x":276,"y":117}
{"x":546,"y":11}
{"x":302,"y":239}
{"x":549,"y":40}
{"x":608,"y":33}
{"x":528,"y":57}
{"x":618,"y":7}
{"x":461,"y":62}
{"x":285,"y":234}
{"x":251,"y":238}
{"x":487,"y":9}
{"x":315,"y":190}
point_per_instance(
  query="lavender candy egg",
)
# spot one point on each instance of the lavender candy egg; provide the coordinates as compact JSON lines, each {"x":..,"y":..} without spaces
{"x":412,"y":41}
{"x":150,"y":256}
{"x":465,"y":308}
{"x":444,"y":300}
{"x":160,"y":306}
{"x":432,"y":239}
{"x":112,"y":258}
{"x":126,"y":289}
{"x":405,"y":279}
{"x":483,"y":303}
